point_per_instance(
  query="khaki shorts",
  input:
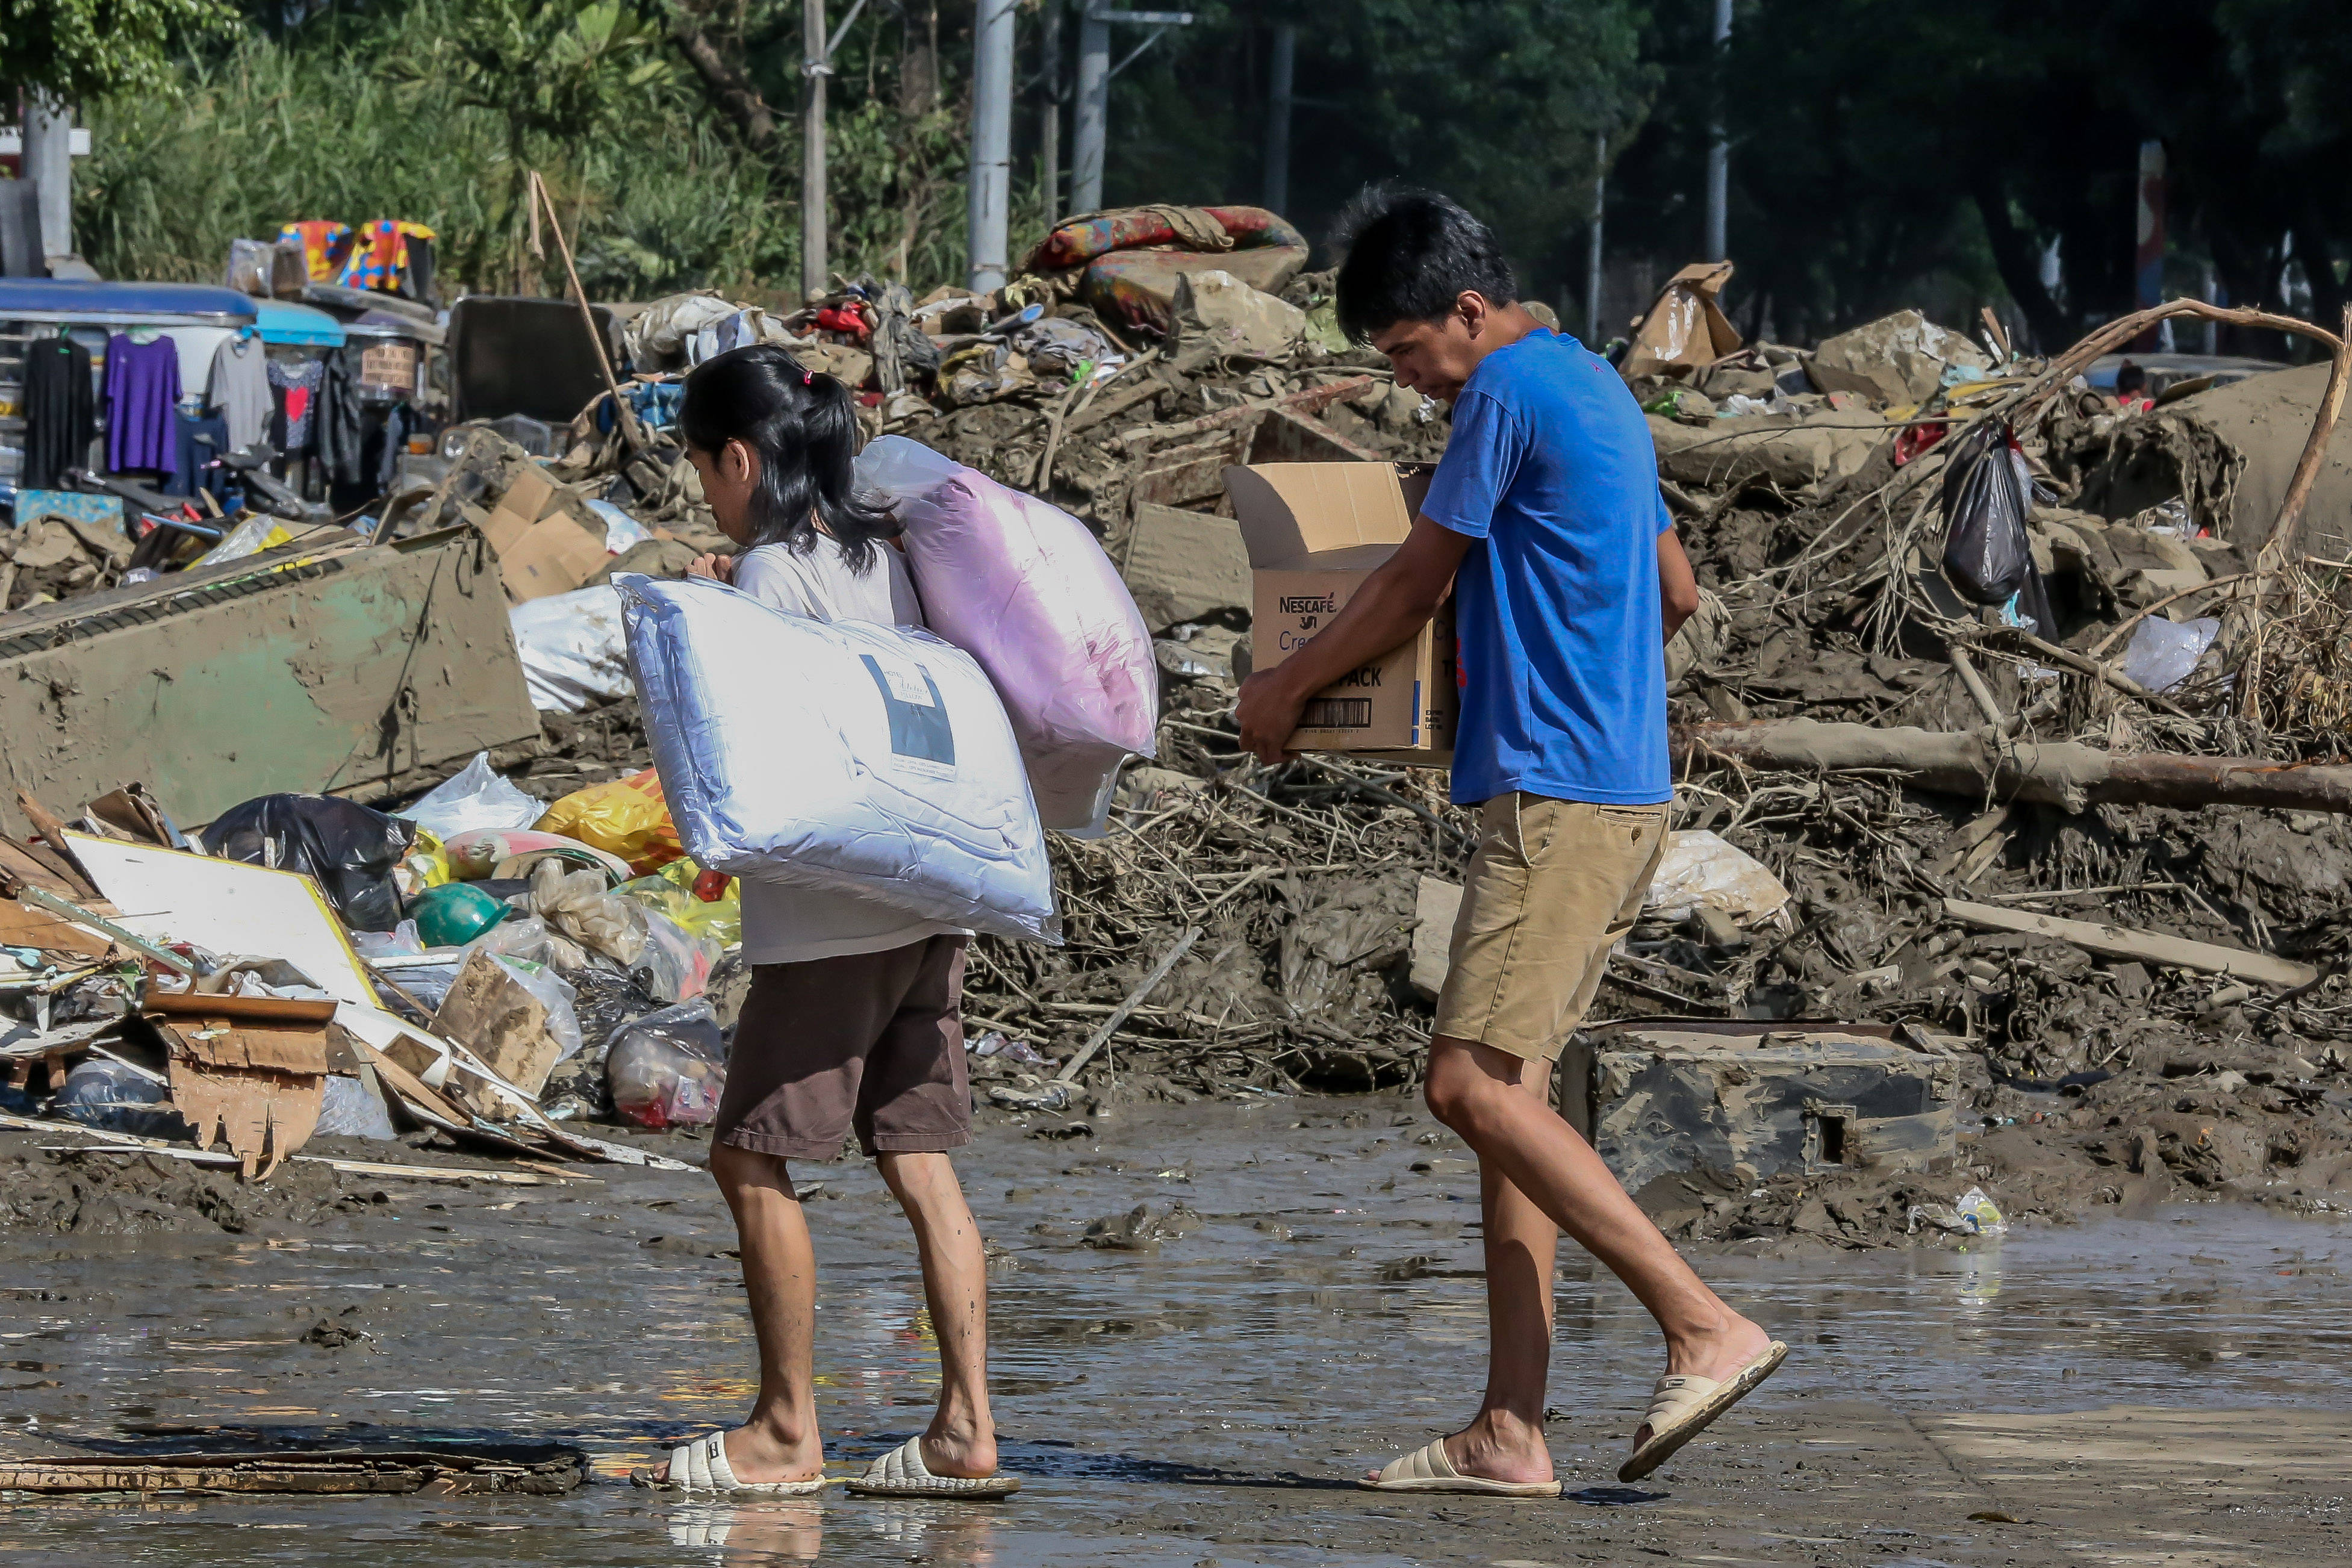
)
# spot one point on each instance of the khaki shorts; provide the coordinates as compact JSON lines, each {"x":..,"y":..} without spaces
{"x":1554,"y":884}
{"x":870,"y":1043}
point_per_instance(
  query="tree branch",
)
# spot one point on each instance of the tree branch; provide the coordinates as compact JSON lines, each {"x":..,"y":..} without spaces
{"x":729,"y":88}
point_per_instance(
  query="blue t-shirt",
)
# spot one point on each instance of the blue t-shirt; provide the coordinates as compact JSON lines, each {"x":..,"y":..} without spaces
{"x":1562,"y":664}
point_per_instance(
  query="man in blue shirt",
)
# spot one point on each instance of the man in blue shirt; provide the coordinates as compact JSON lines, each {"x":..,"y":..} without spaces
{"x":1545,"y":519}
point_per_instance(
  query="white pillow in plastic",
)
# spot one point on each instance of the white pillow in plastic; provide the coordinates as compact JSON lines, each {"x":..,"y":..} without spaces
{"x":1022,"y":587}
{"x":846,"y":757}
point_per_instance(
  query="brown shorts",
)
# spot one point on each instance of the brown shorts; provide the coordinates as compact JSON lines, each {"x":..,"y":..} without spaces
{"x":1553,"y":886}
{"x":870,"y":1042}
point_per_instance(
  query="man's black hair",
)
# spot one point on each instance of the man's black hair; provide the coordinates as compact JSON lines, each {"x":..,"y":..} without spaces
{"x":1410,"y":255}
{"x":2130,"y":377}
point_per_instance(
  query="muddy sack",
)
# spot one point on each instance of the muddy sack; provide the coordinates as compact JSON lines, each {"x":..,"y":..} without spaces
{"x":1022,"y":587}
{"x":844,"y":757}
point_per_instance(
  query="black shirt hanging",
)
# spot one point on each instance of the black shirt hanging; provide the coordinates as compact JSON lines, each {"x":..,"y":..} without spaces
{"x":59,"y":411}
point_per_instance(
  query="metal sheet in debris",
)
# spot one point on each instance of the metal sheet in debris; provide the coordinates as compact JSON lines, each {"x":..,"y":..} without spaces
{"x":301,"y":670}
{"x":1751,"y":1099}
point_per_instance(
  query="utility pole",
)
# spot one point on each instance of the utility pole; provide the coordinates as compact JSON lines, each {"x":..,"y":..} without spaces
{"x":1049,"y":111}
{"x":1594,"y":338}
{"x":816,"y":64}
{"x":1718,"y":148}
{"x":989,"y":194}
{"x":1095,"y":72}
{"x":48,"y":159}
{"x":1283,"y":66}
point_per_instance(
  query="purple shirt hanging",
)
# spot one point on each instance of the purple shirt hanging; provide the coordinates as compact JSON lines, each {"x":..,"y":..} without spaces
{"x":142,"y":393}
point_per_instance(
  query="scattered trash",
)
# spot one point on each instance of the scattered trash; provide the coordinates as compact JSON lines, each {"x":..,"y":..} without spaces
{"x":668,"y":1068}
{"x":476,"y":797}
{"x":2163,"y":654}
{"x":348,"y":849}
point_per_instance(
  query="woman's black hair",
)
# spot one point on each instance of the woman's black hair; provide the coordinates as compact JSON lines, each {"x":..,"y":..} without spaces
{"x":804,"y":431}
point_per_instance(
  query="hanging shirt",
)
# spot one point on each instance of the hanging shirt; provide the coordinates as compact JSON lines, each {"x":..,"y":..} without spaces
{"x":1550,"y":469}
{"x":296,"y":386}
{"x":142,"y":397}
{"x":239,"y":390}
{"x":794,"y":925}
{"x":61,"y":413}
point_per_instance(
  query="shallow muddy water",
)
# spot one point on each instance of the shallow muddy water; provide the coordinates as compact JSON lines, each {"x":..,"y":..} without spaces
{"x":2175,"y":1390}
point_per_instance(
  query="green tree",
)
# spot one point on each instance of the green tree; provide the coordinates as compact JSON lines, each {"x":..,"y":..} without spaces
{"x":560,"y":74}
{"x":79,"y":49}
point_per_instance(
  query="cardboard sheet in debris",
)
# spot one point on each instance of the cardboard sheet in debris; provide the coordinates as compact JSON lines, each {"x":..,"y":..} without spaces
{"x":312,"y":669}
{"x":228,"y":908}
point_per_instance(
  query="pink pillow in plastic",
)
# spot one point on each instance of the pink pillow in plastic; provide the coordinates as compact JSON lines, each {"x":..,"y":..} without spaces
{"x":1022,"y":587}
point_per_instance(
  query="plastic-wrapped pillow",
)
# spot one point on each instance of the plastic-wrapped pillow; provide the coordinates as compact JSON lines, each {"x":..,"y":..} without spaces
{"x":845,"y":757}
{"x":1023,"y":587}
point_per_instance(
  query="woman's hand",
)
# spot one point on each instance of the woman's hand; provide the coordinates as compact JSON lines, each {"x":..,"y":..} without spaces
{"x":718,"y":568}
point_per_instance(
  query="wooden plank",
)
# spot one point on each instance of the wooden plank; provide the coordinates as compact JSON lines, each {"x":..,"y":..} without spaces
{"x":2144,"y":946}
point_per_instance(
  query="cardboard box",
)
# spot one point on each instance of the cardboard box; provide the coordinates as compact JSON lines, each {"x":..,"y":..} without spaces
{"x":542,"y":547}
{"x":1315,"y":531}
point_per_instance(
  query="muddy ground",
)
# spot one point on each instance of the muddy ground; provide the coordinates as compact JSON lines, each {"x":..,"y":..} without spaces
{"x":1298,"y":1300}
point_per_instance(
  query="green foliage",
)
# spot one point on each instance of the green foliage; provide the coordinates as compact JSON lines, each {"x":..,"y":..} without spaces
{"x":318,"y":127}
{"x":89,"y":50}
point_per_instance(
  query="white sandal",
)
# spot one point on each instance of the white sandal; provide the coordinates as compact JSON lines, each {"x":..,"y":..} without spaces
{"x":1429,"y":1470}
{"x":1681,"y":1406}
{"x":902,"y":1473}
{"x":701,"y":1466}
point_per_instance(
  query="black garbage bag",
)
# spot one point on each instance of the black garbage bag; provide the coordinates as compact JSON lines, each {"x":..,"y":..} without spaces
{"x":1986,"y":498}
{"x":348,"y":849}
{"x":1988,"y":556}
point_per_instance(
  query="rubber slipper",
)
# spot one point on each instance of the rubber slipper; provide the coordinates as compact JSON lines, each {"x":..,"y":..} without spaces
{"x":1682,"y":1406}
{"x":902,"y":1473}
{"x":701,"y":1466}
{"x":1429,"y":1470}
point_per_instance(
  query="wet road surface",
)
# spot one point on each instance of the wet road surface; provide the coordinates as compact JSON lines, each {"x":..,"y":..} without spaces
{"x":2174,"y":1391}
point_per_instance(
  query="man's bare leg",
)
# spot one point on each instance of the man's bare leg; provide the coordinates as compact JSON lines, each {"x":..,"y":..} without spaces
{"x":1480,"y":1093}
{"x":780,"y":1443}
{"x":961,"y":1439}
{"x":1506,"y":1442}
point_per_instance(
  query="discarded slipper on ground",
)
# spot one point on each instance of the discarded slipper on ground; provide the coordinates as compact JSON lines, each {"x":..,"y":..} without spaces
{"x":902,"y":1473}
{"x":701,"y":1466}
{"x":1429,"y":1470}
{"x":1682,"y":1406}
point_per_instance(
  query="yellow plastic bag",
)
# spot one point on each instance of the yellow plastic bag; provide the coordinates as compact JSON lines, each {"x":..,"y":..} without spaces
{"x":426,"y":865}
{"x":677,"y":890}
{"x":628,"y":817}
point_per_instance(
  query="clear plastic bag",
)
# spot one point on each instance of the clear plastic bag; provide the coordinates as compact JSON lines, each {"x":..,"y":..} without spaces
{"x":675,"y":965}
{"x":553,"y":993}
{"x":114,"y":1098}
{"x":669,"y":1068}
{"x":349,"y":1111}
{"x":529,"y":938}
{"x":477,"y":797}
{"x":2164,"y":653}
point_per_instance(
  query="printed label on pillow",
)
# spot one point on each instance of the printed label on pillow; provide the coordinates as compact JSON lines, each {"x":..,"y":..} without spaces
{"x":919,"y":717}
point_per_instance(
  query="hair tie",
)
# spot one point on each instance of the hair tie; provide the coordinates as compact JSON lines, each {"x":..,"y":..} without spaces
{"x":808,"y":378}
